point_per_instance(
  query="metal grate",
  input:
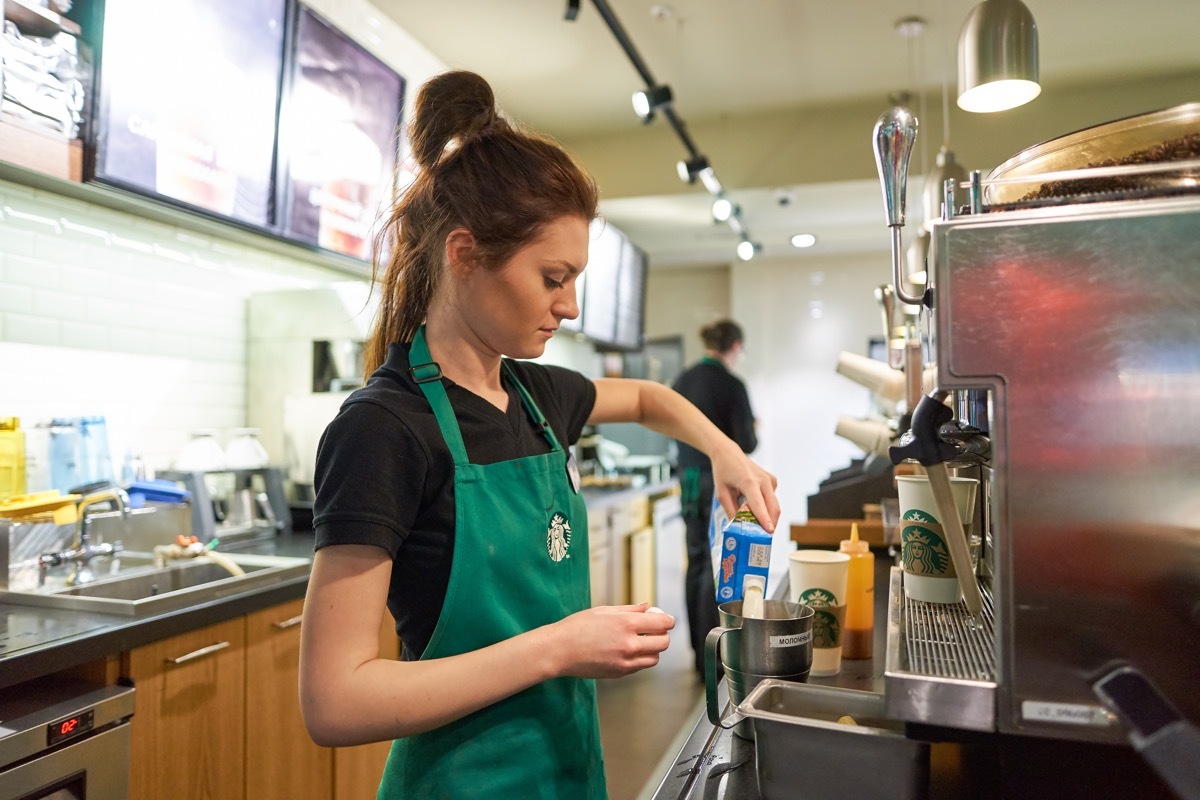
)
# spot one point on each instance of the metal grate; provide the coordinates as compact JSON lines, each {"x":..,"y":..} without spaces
{"x":946,"y":641}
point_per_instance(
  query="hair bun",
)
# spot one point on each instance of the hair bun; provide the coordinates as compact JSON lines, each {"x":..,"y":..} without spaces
{"x":453,"y":105}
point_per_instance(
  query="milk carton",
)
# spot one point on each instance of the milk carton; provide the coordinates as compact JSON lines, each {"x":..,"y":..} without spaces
{"x":745,"y":556}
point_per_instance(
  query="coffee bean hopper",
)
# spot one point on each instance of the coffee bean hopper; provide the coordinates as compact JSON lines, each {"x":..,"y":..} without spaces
{"x":1066,"y":296}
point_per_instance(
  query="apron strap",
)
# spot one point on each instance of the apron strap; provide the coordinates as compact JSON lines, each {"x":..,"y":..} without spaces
{"x":535,"y":413}
{"x":427,"y":375}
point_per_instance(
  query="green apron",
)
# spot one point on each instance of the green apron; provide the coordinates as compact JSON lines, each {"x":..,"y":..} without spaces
{"x":520,"y":561}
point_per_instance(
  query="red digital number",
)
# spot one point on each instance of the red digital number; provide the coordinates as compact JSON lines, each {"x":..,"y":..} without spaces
{"x":69,"y":725}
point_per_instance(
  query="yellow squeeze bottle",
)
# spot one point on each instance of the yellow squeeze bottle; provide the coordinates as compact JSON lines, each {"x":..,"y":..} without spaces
{"x":859,"y":631}
{"x":12,"y":458}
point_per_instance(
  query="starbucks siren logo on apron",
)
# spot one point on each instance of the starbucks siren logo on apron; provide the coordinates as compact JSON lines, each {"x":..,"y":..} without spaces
{"x":558,"y":537}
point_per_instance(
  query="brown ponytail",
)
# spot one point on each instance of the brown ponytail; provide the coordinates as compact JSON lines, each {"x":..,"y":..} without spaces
{"x":478,"y":171}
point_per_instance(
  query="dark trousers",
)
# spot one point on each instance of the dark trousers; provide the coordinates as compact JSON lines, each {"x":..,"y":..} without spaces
{"x":699,"y":584}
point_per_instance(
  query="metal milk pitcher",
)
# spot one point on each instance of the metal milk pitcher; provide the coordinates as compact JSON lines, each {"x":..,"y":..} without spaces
{"x":777,"y":646}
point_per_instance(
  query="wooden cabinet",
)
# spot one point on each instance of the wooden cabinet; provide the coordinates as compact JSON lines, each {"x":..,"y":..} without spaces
{"x":641,"y":567}
{"x":218,"y":717}
{"x":599,"y":566}
{"x":282,"y":760}
{"x":622,"y":566}
{"x":189,"y":722}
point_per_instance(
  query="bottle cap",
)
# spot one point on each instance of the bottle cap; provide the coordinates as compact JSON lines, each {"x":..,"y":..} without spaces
{"x":853,"y":544}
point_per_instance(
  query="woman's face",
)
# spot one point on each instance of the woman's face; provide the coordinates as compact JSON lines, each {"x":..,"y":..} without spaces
{"x":514,"y":310}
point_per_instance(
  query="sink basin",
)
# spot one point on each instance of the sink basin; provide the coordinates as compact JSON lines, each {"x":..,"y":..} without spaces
{"x":140,"y":589}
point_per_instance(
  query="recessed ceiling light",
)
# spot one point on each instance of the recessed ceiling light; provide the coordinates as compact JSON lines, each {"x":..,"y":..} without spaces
{"x":803,"y":240}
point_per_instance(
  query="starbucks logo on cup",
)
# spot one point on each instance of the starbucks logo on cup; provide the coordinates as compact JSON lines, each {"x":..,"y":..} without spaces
{"x":923,"y":551}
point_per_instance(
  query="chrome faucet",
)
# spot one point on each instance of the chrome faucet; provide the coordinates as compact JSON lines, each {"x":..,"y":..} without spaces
{"x":83,"y":550}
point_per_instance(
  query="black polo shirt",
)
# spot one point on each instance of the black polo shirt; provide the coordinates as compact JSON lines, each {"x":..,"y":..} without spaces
{"x":385,"y":477}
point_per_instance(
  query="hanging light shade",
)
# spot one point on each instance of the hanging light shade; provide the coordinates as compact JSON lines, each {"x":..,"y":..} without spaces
{"x":933,"y":195}
{"x":997,"y":57}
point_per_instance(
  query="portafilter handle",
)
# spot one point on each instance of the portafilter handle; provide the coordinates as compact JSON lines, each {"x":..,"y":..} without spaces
{"x":894,"y":135}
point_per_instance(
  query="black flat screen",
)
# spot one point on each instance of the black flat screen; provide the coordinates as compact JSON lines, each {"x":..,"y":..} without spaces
{"x":187,"y":110}
{"x":338,"y":139}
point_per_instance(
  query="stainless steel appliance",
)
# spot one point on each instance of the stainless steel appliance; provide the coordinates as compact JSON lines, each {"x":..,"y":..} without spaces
{"x":236,"y":504}
{"x":1080,"y":321}
{"x":61,"y":740}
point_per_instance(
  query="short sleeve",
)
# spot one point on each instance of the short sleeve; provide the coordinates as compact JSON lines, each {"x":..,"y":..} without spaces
{"x":369,"y":476}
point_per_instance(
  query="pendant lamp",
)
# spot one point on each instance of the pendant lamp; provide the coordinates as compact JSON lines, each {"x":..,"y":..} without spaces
{"x":997,"y":57}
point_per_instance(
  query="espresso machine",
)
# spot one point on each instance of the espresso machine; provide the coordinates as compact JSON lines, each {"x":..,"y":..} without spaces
{"x":1063,"y":309}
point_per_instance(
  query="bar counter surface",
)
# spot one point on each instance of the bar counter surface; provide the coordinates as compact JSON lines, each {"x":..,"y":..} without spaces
{"x":38,"y":641}
{"x":714,"y":764}
{"x":717,"y":765}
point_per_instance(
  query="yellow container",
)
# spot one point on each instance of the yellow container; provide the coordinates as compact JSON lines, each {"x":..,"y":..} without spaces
{"x":12,"y":458}
{"x":51,"y":506}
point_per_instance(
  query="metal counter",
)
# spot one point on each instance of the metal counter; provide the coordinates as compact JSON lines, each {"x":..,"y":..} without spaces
{"x":714,"y":764}
{"x":37,"y":641}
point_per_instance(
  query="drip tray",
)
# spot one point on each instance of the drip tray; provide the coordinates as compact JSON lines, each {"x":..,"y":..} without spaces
{"x":941,"y":667}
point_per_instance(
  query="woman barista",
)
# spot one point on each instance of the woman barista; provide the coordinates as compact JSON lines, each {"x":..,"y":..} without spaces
{"x":445,"y":492}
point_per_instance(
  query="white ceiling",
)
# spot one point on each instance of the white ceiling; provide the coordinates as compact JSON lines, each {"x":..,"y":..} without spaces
{"x":725,"y":57}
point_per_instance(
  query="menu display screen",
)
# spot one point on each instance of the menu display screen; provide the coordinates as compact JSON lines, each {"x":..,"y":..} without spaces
{"x":614,"y":300}
{"x":338,"y":139}
{"x":631,"y":297}
{"x":188,"y":111}
{"x":603,"y":274}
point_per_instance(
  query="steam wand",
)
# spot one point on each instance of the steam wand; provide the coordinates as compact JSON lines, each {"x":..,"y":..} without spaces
{"x":932,"y":453}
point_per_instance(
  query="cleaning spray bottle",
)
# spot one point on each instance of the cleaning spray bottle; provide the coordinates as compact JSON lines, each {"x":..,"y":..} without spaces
{"x":859,"y":631}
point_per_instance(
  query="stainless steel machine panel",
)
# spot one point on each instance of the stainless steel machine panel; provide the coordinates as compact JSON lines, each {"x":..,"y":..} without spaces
{"x":1085,"y":323}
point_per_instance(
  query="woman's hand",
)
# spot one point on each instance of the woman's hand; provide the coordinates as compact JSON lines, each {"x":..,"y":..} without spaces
{"x":736,"y":476}
{"x":610,"y":641}
{"x":666,"y":411}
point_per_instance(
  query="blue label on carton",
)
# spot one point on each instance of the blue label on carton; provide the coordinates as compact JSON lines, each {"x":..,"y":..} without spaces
{"x":745,"y":552}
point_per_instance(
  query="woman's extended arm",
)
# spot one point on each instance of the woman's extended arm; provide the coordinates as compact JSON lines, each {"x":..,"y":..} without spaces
{"x":664,"y":410}
{"x":349,"y":695}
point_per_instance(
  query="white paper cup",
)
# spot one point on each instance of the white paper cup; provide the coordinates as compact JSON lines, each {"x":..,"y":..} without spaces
{"x":929,"y":573}
{"x":817,"y":578}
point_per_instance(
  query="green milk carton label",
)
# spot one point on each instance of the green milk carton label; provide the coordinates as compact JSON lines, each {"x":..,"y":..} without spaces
{"x":827,"y":623}
{"x":923,"y":549}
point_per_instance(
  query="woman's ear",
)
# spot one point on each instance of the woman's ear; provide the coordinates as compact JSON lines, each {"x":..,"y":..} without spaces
{"x":460,"y":251}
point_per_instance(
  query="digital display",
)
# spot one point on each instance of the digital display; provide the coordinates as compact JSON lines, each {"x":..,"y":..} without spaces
{"x":69,"y":726}
{"x":631,"y":297}
{"x":338,"y":139}
{"x":190,"y":115}
{"x":614,"y":300}
{"x":603,"y":267}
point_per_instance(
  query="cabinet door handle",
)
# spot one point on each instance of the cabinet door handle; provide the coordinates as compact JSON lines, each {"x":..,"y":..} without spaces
{"x":203,"y":651}
{"x":288,"y":623}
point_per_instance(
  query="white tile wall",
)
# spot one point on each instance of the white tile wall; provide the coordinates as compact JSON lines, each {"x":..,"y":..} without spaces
{"x":103,"y":312}
{"x":106,"y":313}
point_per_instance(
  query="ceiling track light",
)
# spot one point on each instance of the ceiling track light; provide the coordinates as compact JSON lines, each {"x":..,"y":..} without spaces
{"x":997,"y":57}
{"x":690,"y":169}
{"x":747,"y":249}
{"x":709,"y":179}
{"x":723,"y":209}
{"x":653,"y":97}
{"x":658,"y":96}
